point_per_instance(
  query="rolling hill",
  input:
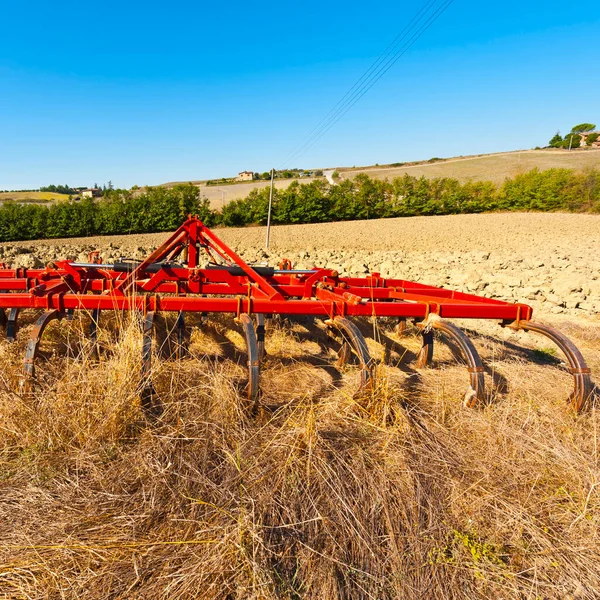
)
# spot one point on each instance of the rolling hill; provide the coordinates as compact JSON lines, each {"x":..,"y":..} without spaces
{"x":486,"y":167}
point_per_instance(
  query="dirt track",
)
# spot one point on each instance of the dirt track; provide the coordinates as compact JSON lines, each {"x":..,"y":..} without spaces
{"x":547,"y":260}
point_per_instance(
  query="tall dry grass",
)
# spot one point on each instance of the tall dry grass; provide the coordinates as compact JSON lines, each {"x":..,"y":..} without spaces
{"x":396,"y":493}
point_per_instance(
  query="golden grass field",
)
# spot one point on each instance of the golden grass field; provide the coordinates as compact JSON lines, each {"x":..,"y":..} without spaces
{"x":489,"y":167}
{"x":398,"y":492}
{"x":37,"y":196}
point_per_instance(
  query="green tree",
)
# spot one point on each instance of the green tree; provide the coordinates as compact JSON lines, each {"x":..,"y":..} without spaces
{"x":572,"y":140}
{"x":583,"y":128}
{"x":591,"y":138}
{"x":556,"y":141}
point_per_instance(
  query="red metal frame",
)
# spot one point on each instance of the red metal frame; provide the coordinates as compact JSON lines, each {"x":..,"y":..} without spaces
{"x":172,"y":279}
{"x":191,"y":287}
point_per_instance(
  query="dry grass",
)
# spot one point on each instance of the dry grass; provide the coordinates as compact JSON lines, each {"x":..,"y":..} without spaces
{"x":489,"y":167}
{"x":37,"y":196}
{"x":397,"y":493}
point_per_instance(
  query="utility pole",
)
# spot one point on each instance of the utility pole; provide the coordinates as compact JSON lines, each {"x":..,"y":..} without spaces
{"x":269,"y":212}
{"x":571,"y":141}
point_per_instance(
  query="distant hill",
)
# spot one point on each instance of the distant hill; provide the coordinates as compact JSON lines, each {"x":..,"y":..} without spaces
{"x":485,"y":167}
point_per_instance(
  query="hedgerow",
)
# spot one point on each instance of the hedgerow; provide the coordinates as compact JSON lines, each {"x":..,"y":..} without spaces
{"x":161,"y":209}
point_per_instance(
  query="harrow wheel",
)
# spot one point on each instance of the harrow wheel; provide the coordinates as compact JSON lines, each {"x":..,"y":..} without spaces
{"x":353,"y":342}
{"x":253,"y":387}
{"x":476,"y":391}
{"x":583,"y":387}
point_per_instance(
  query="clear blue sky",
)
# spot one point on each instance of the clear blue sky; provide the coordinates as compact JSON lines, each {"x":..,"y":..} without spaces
{"x":149,"y":92}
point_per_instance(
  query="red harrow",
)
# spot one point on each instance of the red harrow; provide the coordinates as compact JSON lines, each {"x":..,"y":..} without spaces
{"x":176,"y":278}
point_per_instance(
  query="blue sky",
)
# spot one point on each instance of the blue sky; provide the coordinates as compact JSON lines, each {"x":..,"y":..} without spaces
{"x":148,"y":92}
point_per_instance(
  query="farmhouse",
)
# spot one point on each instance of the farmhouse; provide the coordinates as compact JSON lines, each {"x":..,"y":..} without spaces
{"x":596,"y":138}
{"x":245,"y":176}
{"x":91,"y":193}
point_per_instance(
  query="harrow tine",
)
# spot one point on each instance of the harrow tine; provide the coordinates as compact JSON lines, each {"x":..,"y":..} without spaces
{"x":34,"y":343}
{"x":70,"y":314}
{"x":426,"y":353}
{"x":94,"y":329}
{"x":180,"y":326}
{"x":476,"y":391}
{"x":11,"y":324}
{"x":253,"y":387}
{"x":401,"y":327}
{"x":260,"y":335}
{"x":583,"y":387}
{"x":354,"y":341}
{"x":148,"y":393}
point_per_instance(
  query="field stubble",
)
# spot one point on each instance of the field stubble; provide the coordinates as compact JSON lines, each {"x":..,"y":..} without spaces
{"x":399,"y":492}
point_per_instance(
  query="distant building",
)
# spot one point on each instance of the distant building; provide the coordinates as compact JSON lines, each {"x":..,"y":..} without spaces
{"x":245,"y":176}
{"x":584,"y":137}
{"x":91,"y":193}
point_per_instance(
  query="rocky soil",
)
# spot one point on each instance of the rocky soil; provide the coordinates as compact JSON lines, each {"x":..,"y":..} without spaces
{"x":550,"y":261}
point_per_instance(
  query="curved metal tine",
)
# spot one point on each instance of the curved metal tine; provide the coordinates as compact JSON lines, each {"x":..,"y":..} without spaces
{"x":476,"y":391}
{"x":425,"y":355}
{"x":260,"y":335}
{"x":11,"y":324}
{"x":94,"y":330}
{"x":344,"y":354}
{"x":148,"y":398}
{"x":355,"y":342}
{"x":401,"y":327}
{"x":583,"y":387}
{"x":34,"y":343}
{"x":253,"y":387}
{"x":70,"y":314}
{"x":180,"y":326}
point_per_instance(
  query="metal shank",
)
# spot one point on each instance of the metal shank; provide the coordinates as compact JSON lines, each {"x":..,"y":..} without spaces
{"x":260,"y":336}
{"x":147,"y":392}
{"x":12,"y":324}
{"x":476,"y":391}
{"x":35,"y":338}
{"x":583,"y":386}
{"x":253,"y":387}
{"x":354,"y":339}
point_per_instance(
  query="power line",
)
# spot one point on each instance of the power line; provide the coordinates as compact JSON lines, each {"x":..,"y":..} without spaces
{"x":372,"y":78}
{"x":373,"y":66}
{"x":420,"y":23}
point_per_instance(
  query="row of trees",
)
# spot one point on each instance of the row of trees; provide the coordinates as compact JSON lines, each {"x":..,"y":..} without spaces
{"x":161,"y":209}
{"x":289,"y":174}
{"x":60,"y":189}
{"x":119,"y":211}
{"x":366,"y":198}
